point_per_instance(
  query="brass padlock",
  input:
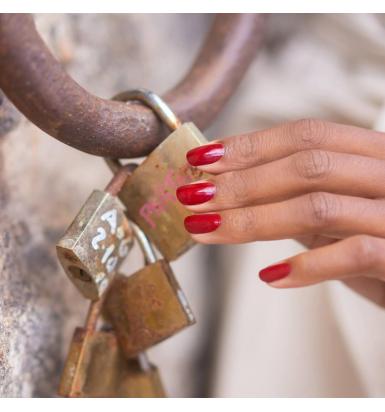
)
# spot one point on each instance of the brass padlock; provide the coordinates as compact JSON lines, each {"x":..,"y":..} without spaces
{"x":149,"y":193}
{"x":96,"y":367}
{"x":148,"y":306}
{"x":98,"y":239}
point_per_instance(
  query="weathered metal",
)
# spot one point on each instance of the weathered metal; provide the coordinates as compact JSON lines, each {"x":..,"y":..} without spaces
{"x":149,"y":192}
{"x":146,"y":307}
{"x":96,"y":367}
{"x":98,"y":240}
{"x":40,"y":88}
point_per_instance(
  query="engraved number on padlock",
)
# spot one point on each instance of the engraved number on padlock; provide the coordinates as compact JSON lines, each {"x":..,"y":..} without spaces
{"x":97,"y":241}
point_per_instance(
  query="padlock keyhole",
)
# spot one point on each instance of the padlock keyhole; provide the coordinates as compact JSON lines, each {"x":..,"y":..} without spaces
{"x":80,"y":274}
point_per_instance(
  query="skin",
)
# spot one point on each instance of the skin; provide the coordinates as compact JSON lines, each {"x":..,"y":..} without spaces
{"x":318,"y":182}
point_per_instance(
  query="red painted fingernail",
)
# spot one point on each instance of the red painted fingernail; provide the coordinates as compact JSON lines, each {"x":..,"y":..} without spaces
{"x":205,"y":155}
{"x":202,"y":223}
{"x":275,"y":272}
{"x":195,"y":193}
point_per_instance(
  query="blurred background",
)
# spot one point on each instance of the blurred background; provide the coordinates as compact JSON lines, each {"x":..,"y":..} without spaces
{"x":250,"y":340}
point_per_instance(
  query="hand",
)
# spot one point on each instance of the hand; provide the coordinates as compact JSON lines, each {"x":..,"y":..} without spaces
{"x":306,"y":180}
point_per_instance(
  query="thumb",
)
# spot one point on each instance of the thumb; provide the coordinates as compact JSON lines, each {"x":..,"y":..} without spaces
{"x":352,"y":257}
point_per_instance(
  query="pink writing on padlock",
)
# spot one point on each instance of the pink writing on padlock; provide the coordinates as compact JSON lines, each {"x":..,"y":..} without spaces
{"x":163,"y":195}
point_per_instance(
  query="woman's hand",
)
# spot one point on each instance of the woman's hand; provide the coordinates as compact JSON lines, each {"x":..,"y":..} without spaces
{"x":318,"y":182}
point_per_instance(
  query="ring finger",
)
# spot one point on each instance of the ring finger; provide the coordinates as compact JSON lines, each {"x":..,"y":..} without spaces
{"x":322,"y":213}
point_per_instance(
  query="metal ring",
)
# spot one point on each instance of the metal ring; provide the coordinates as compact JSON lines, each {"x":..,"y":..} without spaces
{"x":152,"y":100}
{"x":51,"y":99}
{"x":156,"y":103}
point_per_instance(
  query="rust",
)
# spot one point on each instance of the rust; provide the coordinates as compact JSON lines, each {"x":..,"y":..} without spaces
{"x":149,"y":193}
{"x":146,"y":307}
{"x":96,"y":367}
{"x":40,"y":88}
{"x":117,"y":183}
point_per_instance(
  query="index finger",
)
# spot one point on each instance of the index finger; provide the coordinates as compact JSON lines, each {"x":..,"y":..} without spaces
{"x":256,"y":148}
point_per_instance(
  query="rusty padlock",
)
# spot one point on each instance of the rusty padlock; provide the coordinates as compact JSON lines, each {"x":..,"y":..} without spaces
{"x":96,"y":367}
{"x":148,"y":306}
{"x":149,"y":193}
{"x":98,"y":239}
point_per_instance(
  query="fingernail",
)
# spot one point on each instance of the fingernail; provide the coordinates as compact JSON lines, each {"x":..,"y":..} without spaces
{"x":205,"y":155}
{"x":195,"y":193}
{"x":202,"y":223}
{"x":275,"y":272}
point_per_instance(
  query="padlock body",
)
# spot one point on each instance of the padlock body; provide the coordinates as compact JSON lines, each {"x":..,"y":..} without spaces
{"x":95,"y":367}
{"x":149,"y":193}
{"x":95,"y":244}
{"x":146,"y":307}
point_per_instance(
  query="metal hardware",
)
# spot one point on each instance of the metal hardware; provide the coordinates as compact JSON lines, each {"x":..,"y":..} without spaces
{"x":52,"y":100}
{"x":98,"y":240}
{"x":149,"y":193}
{"x":96,"y":367}
{"x":148,"y":306}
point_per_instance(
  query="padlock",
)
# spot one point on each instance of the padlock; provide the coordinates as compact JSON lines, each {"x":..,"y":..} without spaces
{"x":148,"y":306}
{"x":96,"y":367}
{"x":149,"y":193}
{"x":98,"y":239}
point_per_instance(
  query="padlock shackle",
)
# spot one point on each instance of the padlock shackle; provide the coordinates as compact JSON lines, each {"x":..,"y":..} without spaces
{"x":154,"y":102}
{"x":120,"y":176}
{"x":144,"y":243}
{"x":93,"y":314}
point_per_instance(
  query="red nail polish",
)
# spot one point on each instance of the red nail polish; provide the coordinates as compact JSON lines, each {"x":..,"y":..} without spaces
{"x":195,"y":193}
{"x":205,"y":155}
{"x":275,"y":272}
{"x":202,"y":223}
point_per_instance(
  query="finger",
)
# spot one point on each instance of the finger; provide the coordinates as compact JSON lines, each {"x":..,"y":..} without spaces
{"x":255,"y":148}
{"x":300,"y":173}
{"x":319,"y":213}
{"x":355,"y":256}
{"x":314,"y":241}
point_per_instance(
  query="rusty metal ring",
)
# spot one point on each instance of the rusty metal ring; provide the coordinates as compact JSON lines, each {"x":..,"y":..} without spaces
{"x":41,"y":89}
{"x":156,"y":103}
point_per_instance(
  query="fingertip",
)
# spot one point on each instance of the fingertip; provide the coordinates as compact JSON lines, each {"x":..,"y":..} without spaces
{"x":202,"y":223}
{"x":205,"y":155}
{"x":195,"y":193}
{"x":275,"y":272}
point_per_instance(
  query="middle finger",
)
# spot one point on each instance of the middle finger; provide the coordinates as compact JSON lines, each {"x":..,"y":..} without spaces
{"x":300,"y":173}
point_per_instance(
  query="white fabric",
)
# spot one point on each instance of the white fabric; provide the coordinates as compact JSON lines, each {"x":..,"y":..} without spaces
{"x":322,"y":340}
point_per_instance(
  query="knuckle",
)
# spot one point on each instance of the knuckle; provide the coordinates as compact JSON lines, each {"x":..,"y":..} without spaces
{"x":310,"y":133}
{"x":367,"y":251}
{"x":225,"y":188}
{"x":244,"y":148}
{"x":324,"y":208}
{"x":238,"y":186}
{"x":242,"y":222}
{"x":313,"y":164}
